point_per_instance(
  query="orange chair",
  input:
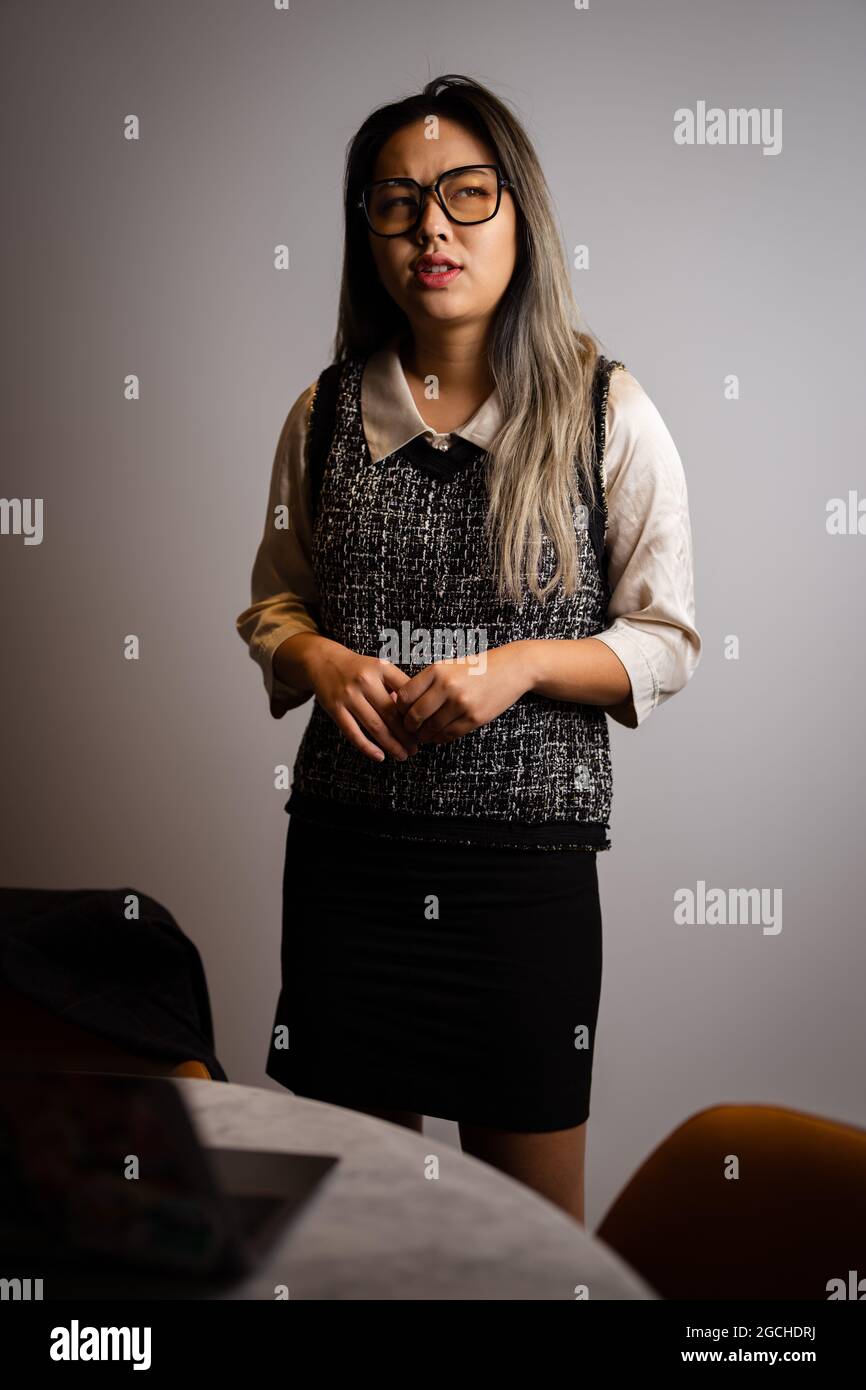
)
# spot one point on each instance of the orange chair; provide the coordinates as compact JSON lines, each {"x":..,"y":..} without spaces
{"x":192,"y":1068}
{"x":791,"y":1221}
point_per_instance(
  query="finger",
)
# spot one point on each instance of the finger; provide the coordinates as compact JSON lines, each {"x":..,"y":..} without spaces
{"x":415,"y":686}
{"x":384,"y":702}
{"x":456,"y":729}
{"x":367,"y":715}
{"x":384,"y":698}
{"x":425,"y":707}
{"x":394,"y":719}
{"x":393,"y":678}
{"x":353,"y":732}
{"x":439,"y":720}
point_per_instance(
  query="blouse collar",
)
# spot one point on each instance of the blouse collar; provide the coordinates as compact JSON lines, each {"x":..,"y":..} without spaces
{"x":391,"y":418}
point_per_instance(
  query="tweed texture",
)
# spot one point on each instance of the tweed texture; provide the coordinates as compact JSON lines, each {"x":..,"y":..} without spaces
{"x":399,"y":546}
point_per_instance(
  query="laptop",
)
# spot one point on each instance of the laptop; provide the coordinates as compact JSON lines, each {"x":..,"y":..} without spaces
{"x":106,"y":1189}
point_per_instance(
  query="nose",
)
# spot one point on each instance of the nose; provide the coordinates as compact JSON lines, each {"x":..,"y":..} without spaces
{"x":433,"y":220}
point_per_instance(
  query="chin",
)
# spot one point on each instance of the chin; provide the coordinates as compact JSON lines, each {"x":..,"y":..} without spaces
{"x":439,"y":304}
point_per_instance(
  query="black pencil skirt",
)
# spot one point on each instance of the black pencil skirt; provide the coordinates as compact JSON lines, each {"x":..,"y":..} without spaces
{"x":451,"y":980}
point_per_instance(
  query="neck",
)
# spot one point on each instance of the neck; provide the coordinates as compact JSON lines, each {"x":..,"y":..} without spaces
{"x":457,"y":357}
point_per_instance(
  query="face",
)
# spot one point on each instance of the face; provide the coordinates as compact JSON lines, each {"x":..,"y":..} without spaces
{"x":486,"y":252}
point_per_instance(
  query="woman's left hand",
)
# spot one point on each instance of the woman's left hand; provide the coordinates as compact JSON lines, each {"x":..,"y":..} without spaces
{"x":452,"y":697}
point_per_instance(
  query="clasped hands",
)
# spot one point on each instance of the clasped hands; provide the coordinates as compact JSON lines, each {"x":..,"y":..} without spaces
{"x":370,"y":698}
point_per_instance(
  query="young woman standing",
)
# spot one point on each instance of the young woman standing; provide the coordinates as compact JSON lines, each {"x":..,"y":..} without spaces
{"x":470,"y":470}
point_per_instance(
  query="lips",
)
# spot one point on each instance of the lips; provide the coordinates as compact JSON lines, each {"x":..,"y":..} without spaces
{"x":435,"y":272}
{"x":426,"y":263}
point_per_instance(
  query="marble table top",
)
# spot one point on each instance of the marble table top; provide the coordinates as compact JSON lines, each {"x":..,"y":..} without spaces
{"x":379,"y":1227}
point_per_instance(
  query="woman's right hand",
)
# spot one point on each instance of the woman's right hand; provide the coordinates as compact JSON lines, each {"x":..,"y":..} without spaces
{"x":358,"y":692}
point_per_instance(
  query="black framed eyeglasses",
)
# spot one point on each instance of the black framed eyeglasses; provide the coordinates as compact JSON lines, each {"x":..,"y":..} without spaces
{"x":469,"y":194}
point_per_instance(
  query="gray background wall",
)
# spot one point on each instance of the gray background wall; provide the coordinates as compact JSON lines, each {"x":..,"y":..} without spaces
{"x":155,"y":257}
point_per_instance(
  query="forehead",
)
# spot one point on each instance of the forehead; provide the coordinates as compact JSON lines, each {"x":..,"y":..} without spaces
{"x":408,"y":153}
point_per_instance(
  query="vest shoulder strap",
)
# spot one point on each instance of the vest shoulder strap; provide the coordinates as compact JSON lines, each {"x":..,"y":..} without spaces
{"x":598,"y":513}
{"x":320,"y":429}
{"x":601,"y":386}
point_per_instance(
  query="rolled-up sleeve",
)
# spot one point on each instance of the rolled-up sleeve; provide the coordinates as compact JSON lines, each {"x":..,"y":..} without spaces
{"x":650,"y":557}
{"x":284,"y":599}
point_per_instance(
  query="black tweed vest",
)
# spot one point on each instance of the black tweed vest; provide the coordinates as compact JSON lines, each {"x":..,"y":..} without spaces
{"x":399,"y":548}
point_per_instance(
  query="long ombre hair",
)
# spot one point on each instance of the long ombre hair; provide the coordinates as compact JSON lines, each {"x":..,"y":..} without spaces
{"x":542,"y":362}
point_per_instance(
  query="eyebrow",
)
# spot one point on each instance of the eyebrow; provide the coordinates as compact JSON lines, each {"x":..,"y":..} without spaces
{"x":393,"y":178}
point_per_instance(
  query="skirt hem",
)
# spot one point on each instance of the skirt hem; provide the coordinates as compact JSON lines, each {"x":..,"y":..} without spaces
{"x":431,"y":1107}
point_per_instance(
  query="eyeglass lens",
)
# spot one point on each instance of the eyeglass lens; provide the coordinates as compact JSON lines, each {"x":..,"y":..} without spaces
{"x":469,"y":196}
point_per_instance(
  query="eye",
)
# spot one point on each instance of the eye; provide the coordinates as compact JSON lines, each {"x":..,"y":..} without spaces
{"x":472,"y":186}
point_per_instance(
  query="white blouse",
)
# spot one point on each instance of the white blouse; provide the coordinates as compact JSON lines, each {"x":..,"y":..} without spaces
{"x":649,"y":543}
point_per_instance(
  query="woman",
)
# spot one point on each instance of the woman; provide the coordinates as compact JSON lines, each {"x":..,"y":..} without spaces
{"x":477,"y":547}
